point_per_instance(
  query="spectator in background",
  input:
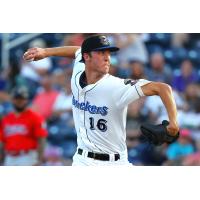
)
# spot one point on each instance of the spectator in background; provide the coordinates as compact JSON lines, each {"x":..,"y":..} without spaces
{"x":114,"y":66}
{"x":32,"y":72}
{"x":136,"y":113}
{"x":137,"y":70}
{"x":22,"y":133}
{"x":62,"y":114}
{"x":45,"y":99}
{"x":5,"y":104}
{"x":75,"y":39}
{"x":62,"y":107}
{"x":133,"y":48}
{"x":192,"y":92}
{"x":159,"y":71}
{"x":186,"y":76}
{"x":59,"y":79}
{"x":116,"y":69}
{"x":192,"y":160}
{"x":183,"y":147}
{"x":11,"y":74}
{"x":157,"y":112}
{"x":180,"y":39}
{"x":53,"y":156}
{"x":135,"y":148}
{"x":190,"y":118}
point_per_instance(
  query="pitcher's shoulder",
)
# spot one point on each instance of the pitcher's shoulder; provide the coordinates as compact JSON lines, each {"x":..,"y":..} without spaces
{"x":115,"y":79}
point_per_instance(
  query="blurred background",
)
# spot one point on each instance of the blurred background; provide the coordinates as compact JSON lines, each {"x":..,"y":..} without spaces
{"x":170,"y":58}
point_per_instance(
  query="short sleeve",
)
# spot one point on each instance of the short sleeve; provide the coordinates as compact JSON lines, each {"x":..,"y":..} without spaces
{"x":40,"y":127}
{"x":128,"y":91}
{"x":78,"y":66}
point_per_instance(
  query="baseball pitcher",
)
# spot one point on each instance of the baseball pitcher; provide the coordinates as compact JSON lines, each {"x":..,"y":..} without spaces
{"x":100,"y":101}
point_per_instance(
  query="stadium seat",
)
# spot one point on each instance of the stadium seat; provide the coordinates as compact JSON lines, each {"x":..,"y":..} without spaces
{"x":179,"y":55}
{"x":162,"y":39}
{"x":194,"y":56}
{"x":59,"y":132}
{"x":153,"y":48}
{"x":169,"y":56}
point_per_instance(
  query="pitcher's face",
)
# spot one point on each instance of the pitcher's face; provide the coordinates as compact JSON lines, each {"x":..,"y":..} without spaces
{"x":99,"y":61}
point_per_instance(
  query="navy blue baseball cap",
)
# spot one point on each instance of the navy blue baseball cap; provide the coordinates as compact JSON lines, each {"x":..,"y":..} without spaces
{"x":96,"y":43}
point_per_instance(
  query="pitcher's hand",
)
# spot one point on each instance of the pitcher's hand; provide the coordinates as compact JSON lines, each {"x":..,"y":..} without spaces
{"x":173,"y":128}
{"x":34,"y":54}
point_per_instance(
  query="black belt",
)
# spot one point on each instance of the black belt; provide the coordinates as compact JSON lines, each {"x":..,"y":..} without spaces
{"x":99,"y":156}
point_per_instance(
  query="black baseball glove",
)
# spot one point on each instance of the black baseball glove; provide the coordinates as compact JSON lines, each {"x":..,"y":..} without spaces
{"x":158,"y":134}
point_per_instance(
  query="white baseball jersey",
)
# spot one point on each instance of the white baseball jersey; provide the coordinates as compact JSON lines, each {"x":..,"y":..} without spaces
{"x":100,"y":110}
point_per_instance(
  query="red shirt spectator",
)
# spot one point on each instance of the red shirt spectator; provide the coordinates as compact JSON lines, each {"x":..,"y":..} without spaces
{"x":44,"y":101}
{"x":20,"y":132}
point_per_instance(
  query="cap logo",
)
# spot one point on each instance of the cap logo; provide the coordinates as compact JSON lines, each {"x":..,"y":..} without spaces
{"x":104,"y":40}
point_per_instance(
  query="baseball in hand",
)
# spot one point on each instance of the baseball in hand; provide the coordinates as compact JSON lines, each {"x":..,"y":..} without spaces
{"x":28,"y":60}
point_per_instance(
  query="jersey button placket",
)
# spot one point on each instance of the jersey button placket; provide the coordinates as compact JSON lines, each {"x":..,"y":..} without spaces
{"x":81,"y":111}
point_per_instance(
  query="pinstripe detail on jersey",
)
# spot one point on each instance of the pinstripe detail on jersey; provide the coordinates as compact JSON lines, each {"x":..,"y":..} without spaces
{"x":85,"y":120}
{"x":137,"y":91}
{"x":76,"y":83}
{"x":84,"y":111}
{"x":78,"y":97}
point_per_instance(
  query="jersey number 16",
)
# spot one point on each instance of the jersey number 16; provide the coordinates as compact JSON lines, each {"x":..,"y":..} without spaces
{"x":101,"y":124}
